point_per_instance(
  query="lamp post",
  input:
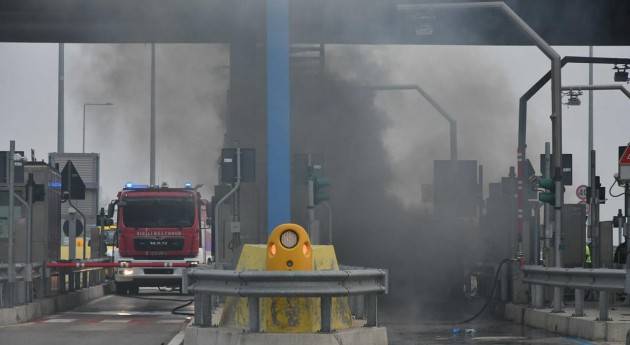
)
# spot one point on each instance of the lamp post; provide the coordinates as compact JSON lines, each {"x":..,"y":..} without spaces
{"x":451,"y":121}
{"x":85,"y":105}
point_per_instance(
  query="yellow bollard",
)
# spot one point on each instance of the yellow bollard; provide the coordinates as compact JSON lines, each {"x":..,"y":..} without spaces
{"x":289,"y":249}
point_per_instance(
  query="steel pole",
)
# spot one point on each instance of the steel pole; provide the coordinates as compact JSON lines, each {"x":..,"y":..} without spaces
{"x":83,"y":146}
{"x":60,"y":100}
{"x":220,"y":253}
{"x":152,"y":124}
{"x":10,"y":239}
{"x":310,"y":203}
{"x":29,"y":242}
{"x":589,"y":151}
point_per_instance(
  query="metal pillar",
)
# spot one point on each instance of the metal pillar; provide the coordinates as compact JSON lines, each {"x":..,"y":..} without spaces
{"x":579,"y":302}
{"x":603,"y":306}
{"x":548,"y":223}
{"x":591,"y":161}
{"x":60,"y":99}
{"x":28,"y":269}
{"x":11,"y":220}
{"x":72,"y":240}
{"x":253,"y":304}
{"x":326,"y":314}
{"x":203,"y":310}
{"x":220,"y":253}
{"x":593,"y":214}
{"x":278,"y":115}
{"x":152,"y":130}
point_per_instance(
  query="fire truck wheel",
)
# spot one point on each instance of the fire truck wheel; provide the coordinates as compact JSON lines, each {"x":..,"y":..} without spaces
{"x":133,"y":289}
{"x":121,"y":288}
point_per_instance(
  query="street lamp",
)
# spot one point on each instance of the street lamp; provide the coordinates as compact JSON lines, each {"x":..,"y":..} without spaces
{"x":85,"y":105}
{"x":451,"y":121}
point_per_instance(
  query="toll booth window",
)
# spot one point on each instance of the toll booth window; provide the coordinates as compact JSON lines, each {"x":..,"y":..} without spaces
{"x":159,"y":212}
{"x":4,"y":213}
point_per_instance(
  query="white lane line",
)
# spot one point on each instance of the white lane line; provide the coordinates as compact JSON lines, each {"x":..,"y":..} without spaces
{"x":172,"y":321}
{"x":115,"y":321}
{"x":120,"y":313}
{"x":60,"y":320}
{"x":178,"y":339}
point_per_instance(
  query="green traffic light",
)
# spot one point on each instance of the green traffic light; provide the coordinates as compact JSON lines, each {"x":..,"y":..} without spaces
{"x":547,"y":197}
{"x":546,"y":183}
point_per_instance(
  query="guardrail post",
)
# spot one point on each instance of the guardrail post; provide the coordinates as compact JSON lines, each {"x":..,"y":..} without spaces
{"x":371,"y":306}
{"x":326,"y":311}
{"x":71,"y":281}
{"x":538,"y":299}
{"x":603,"y":306}
{"x":579,"y":302}
{"x":254,"y":313}
{"x":558,"y":293}
{"x":203,"y":310}
{"x":84,"y":279}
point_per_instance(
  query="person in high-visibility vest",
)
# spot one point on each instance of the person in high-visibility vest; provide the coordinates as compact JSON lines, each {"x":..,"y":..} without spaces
{"x":587,"y":256}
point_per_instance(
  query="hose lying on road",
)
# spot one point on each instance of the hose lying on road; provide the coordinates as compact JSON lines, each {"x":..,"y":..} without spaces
{"x":174,"y":311}
{"x":489,"y":299}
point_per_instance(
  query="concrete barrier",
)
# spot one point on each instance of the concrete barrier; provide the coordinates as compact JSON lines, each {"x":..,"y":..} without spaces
{"x":235,"y":336}
{"x":587,"y":326}
{"x":50,"y":305}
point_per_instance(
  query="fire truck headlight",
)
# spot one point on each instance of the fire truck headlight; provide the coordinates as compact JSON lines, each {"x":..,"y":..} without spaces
{"x":127,"y":272}
{"x":289,"y":239}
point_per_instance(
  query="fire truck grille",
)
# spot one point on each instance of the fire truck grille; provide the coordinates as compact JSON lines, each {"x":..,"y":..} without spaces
{"x":158,"y":244}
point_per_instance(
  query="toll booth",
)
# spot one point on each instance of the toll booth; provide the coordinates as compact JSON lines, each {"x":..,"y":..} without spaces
{"x":46,"y":236}
{"x":573,"y":235}
{"x":19,"y":213}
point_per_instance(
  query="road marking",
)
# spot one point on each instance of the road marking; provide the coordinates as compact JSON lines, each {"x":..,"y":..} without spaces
{"x":115,"y":321}
{"x":60,"y":320}
{"x":178,"y":339}
{"x":172,"y":321}
{"x":120,"y":313}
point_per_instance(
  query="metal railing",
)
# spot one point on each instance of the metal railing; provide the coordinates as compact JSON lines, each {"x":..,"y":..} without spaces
{"x":253,"y":285}
{"x":603,"y":280}
{"x":43,"y":282}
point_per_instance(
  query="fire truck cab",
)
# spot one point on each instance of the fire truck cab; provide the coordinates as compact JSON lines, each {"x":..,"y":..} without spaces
{"x":158,"y":226}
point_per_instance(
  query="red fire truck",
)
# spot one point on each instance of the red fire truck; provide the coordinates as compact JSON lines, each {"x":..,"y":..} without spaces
{"x":161,"y":231}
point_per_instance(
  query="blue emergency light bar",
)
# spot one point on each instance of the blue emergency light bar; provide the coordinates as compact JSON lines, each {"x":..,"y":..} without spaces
{"x":130,"y":185}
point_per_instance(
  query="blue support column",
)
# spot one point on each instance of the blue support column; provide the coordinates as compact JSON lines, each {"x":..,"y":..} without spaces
{"x":278,"y":115}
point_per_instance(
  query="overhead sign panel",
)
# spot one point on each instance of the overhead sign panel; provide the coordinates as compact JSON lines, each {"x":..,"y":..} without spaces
{"x":567,"y":168}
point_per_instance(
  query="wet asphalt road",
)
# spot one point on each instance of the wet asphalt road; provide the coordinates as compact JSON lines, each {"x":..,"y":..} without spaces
{"x":486,"y":332}
{"x":110,"y":320}
{"x":119,"y":320}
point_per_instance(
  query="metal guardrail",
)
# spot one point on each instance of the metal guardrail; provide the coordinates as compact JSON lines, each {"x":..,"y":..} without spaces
{"x":349,"y":281}
{"x":603,"y":280}
{"x":43,"y":282}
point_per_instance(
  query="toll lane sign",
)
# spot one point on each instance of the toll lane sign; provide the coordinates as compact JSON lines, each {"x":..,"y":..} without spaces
{"x":624,"y":163}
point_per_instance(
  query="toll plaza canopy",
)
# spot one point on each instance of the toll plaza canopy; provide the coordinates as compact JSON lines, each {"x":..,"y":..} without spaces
{"x":559,"y":22}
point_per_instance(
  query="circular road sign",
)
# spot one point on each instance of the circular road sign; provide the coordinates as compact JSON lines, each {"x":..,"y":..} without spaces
{"x":580,"y":191}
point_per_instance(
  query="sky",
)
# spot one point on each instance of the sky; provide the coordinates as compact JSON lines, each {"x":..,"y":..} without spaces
{"x":28,"y":108}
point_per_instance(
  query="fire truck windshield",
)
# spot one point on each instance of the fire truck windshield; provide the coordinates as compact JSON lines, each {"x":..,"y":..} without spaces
{"x":165,"y":212}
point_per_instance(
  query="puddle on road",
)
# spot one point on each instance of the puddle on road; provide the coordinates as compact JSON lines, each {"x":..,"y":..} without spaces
{"x":488,"y":332}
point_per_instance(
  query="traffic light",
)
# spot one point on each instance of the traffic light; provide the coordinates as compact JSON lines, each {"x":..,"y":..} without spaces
{"x":320,"y":186}
{"x":548,"y":195}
